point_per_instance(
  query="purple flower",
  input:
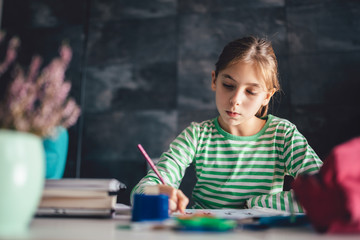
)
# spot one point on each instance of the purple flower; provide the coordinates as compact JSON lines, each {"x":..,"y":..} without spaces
{"x":38,"y":101}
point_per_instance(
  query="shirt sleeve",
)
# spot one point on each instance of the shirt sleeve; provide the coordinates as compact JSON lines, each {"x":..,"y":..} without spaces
{"x":173,"y":163}
{"x":298,"y":155}
{"x":298,"y":158}
{"x":283,"y":201}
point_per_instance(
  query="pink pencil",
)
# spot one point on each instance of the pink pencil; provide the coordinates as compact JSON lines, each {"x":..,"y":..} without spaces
{"x":152,"y":165}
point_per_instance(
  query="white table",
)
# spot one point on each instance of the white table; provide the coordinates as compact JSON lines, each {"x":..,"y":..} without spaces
{"x":99,"y":229}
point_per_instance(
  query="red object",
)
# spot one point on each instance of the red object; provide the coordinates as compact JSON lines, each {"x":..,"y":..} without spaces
{"x":331,"y":198}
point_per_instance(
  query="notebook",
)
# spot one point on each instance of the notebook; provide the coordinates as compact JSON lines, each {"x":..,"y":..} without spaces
{"x":79,"y":198}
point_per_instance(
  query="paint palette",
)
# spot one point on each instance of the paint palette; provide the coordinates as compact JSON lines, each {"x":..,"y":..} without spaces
{"x":204,"y":223}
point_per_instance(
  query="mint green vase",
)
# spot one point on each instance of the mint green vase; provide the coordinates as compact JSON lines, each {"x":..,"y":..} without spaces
{"x":22,"y":177}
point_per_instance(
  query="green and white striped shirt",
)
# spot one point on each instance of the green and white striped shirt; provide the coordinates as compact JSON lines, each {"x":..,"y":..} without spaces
{"x":233,"y":170}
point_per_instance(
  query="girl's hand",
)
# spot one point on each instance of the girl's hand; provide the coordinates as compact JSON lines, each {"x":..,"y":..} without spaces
{"x":177,"y":199}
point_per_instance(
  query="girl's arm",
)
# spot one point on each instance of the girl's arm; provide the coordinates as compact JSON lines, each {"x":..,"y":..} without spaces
{"x":284,"y":201}
{"x":172,"y":165}
{"x":298,"y":158}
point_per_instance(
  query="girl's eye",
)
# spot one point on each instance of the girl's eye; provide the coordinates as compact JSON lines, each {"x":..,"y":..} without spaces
{"x":229,"y":86}
{"x":251,"y":92}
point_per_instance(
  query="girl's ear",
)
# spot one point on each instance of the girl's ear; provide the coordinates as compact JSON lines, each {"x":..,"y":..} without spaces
{"x":213,"y":80}
{"x":269,"y":94}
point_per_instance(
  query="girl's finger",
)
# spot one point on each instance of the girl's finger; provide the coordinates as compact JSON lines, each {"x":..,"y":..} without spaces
{"x":183,"y":201}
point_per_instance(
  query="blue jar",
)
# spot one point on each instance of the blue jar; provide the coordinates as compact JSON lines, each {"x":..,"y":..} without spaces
{"x":150,"y":207}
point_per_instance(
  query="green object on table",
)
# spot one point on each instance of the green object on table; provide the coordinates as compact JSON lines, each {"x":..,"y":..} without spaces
{"x":205,"y":223}
{"x":22,"y":178}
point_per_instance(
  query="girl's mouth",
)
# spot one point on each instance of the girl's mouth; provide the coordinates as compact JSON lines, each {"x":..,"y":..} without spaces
{"x":232,"y":114}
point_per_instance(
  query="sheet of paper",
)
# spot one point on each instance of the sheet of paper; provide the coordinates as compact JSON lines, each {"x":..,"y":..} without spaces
{"x":236,"y":213}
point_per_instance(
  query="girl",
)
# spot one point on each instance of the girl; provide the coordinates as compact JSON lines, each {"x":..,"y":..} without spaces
{"x":241,"y":156}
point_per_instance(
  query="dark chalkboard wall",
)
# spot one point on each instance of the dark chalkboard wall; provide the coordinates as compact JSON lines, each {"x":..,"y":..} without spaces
{"x":141,"y":70}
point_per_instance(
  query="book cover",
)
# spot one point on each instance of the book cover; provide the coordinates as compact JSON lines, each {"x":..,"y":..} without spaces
{"x":107,"y":202}
{"x":85,"y":184}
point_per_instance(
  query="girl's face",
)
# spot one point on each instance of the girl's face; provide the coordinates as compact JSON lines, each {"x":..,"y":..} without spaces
{"x":239,"y":95}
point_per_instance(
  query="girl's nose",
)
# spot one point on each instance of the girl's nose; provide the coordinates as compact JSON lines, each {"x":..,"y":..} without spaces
{"x":237,"y":98}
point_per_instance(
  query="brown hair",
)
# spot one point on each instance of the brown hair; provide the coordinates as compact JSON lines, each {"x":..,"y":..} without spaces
{"x":257,"y":52}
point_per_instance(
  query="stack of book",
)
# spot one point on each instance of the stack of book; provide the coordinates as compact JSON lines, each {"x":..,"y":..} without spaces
{"x":79,"y":197}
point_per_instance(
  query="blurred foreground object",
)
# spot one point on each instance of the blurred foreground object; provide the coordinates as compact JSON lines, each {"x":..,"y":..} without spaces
{"x":331,"y":198}
{"x":34,"y":102}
